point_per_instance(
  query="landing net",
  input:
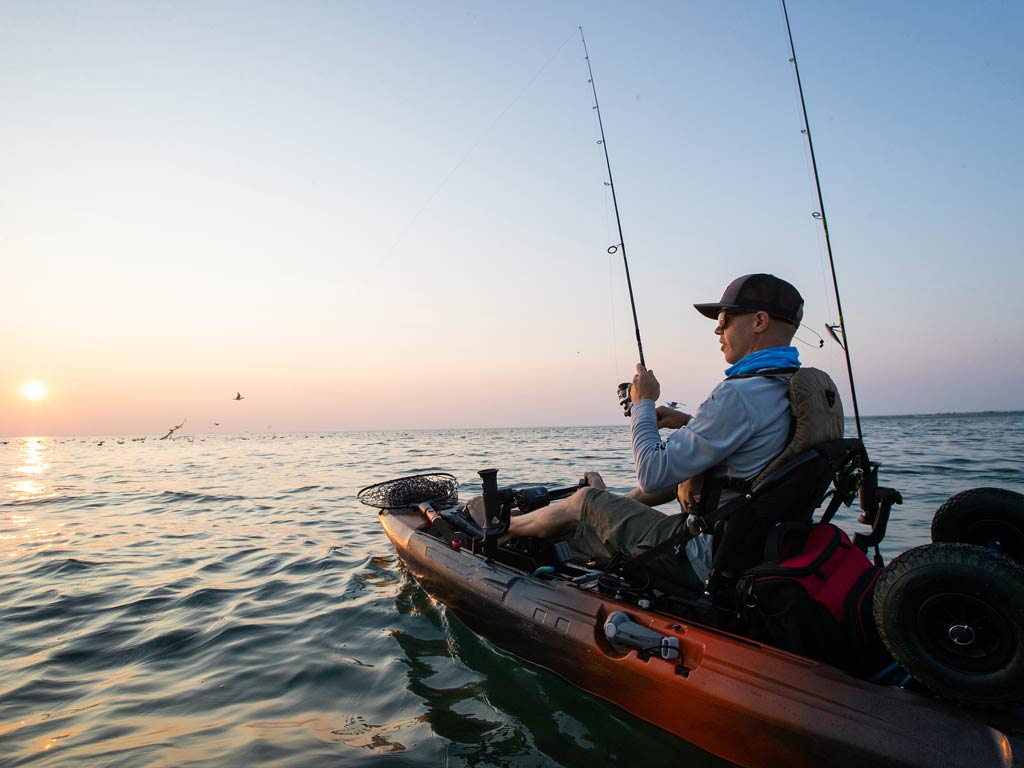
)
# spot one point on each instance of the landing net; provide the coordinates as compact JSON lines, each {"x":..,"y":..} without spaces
{"x":439,"y":489}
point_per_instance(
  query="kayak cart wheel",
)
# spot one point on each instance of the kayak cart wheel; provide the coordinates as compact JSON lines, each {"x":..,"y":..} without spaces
{"x":952,"y":615}
{"x":988,"y":517}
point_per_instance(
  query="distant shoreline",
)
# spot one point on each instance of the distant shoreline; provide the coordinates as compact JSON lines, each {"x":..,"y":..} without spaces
{"x":624,"y":424}
{"x":942,"y":414}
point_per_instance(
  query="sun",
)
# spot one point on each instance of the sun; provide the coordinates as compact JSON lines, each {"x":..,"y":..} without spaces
{"x":34,"y":389}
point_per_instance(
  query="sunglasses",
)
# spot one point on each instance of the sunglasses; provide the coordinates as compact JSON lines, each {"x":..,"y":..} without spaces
{"x":724,"y":315}
{"x":726,"y":312}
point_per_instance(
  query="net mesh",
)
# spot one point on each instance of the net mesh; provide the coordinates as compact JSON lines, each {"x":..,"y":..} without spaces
{"x":439,"y":489}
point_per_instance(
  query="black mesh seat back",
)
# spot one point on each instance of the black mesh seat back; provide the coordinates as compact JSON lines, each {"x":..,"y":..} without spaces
{"x":741,"y":542}
{"x":790,"y":495}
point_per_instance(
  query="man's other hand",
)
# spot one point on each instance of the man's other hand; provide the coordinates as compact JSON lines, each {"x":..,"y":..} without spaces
{"x":670,"y":418}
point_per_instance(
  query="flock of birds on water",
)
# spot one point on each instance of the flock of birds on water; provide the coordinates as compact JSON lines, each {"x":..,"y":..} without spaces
{"x":170,"y":432}
{"x":171,"y":436}
{"x":186,"y":438}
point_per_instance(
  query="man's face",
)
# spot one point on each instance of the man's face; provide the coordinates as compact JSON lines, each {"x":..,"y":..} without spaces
{"x":736,"y":334}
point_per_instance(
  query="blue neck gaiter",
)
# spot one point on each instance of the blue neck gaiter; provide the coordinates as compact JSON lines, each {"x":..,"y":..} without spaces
{"x":775,"y":357}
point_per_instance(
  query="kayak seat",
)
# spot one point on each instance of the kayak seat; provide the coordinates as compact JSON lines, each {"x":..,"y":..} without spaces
{"x":742,"y":524}
{"x":788,"y":496}
{"x":786,"y":491}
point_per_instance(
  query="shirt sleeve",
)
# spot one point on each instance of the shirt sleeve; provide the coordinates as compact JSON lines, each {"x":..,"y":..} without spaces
{"x":720,"y":427}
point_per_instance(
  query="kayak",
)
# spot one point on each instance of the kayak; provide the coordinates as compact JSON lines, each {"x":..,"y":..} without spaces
{"x":736,"y":698}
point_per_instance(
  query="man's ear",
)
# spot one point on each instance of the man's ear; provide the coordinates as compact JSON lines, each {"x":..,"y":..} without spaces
{"x":761,"y":322}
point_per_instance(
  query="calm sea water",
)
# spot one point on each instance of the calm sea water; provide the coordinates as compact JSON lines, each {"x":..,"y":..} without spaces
{"x":225,"y":601}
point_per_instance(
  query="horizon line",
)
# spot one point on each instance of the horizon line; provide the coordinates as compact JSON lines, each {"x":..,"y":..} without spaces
{"x":263,"y":433}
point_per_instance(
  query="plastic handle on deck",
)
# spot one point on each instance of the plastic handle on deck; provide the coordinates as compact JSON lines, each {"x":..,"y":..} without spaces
{"x":623,"y":632}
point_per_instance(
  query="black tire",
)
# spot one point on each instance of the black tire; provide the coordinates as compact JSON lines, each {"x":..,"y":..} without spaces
{"x":952,"y":615}
{"x":988,"y":517}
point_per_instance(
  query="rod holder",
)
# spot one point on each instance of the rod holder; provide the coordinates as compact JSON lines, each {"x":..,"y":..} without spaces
{"x":489,"y":479}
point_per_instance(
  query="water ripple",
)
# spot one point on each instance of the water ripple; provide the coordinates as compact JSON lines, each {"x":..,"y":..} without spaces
{"x":229,"y":602}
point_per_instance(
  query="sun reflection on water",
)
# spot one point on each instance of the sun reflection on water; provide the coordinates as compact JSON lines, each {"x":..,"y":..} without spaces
{"x":19,"y":531}
{"x":29,"y":484}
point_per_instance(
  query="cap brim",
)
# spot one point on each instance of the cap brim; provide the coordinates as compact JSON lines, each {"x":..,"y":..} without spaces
{"x":712,"y":310}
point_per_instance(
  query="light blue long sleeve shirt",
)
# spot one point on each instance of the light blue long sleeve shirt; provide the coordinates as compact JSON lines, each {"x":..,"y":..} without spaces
{"x":743,"y":425}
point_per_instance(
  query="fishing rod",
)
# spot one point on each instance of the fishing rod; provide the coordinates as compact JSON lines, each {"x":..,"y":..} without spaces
{"x":611,"y":184}
{"x":820,"y":214}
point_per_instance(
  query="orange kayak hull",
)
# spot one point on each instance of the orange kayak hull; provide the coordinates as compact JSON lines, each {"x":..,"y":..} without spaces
{"x":743,"y":701}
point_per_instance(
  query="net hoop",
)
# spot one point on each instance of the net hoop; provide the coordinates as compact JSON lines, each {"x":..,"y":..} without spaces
{"x":439,"y":489}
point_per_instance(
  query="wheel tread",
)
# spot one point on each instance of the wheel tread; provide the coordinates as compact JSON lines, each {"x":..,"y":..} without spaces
{"x":999,"y":578}
{"x":956,"y":519}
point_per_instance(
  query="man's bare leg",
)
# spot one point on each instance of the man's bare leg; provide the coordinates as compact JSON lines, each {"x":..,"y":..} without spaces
{"x":557,"y":519}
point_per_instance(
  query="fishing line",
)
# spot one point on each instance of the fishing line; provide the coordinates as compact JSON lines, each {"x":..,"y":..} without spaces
{"x":820,"y":249}
{"x":820,"y":214}
{"x":473,"y":147}
{"x":821,"y":341}
{"x":809,"y":178}
{"x":612,"y":293}
{"x":615,"y":202}
{"x":613,"y":275}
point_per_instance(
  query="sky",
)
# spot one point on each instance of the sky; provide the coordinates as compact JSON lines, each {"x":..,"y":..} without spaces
{"x":393,"y":215}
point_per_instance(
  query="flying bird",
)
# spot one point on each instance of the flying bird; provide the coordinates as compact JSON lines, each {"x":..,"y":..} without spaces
{"x":238,"y":396}
{"x":174,"y":429}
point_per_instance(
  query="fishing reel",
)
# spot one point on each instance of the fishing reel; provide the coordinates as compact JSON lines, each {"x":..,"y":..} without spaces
{"x":624,"y":399}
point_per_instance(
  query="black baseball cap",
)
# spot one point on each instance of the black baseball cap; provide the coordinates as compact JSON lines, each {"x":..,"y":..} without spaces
{"x":759,"y":293}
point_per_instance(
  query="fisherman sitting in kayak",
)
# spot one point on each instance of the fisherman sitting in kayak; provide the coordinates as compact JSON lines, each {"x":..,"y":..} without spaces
{"x":742,"y":426}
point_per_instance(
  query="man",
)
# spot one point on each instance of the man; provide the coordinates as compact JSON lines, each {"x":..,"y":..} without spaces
{"x":742,"y":426}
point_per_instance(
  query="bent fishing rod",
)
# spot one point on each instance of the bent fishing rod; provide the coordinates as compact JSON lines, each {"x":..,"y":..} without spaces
{"x":615,"y":203}
{"x":820,"y":214}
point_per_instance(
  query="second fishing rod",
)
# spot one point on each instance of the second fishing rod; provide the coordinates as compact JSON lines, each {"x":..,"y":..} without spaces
{"x":820,"y":214}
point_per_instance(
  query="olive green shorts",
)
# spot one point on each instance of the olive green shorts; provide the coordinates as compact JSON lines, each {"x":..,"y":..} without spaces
{"x":611,"y":524}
